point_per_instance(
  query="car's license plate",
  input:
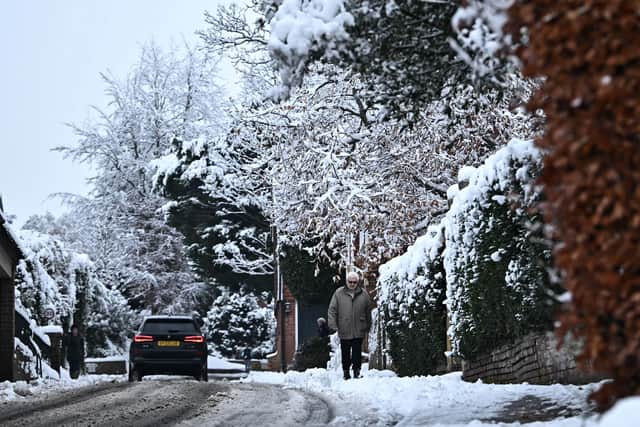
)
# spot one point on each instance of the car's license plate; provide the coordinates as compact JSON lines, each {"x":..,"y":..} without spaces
{"x":168,"y":343}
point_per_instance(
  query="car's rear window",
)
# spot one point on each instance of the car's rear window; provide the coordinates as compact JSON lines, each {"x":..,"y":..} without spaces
{"x":169,"y":326}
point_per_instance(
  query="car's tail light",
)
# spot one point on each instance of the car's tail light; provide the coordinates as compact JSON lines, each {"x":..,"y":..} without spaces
{"x":194,"y":338}
{"x":143,"y":338}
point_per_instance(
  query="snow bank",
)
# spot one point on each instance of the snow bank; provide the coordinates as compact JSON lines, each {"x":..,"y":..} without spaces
{"x":217,"y":363}
{"x":433,"y":400}
{"x":21,"y":389}
{"x":626,"y":413}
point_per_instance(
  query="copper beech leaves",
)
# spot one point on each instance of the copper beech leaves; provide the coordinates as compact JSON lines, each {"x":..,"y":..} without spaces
{"x":589,"y":54}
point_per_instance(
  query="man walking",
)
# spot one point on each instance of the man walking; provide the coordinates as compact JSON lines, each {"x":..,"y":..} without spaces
{"x":74,"y":344}
{"x":350,"y":315}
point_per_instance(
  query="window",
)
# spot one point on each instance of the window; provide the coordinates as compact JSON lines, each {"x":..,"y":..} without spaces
{"x":169,"y":326}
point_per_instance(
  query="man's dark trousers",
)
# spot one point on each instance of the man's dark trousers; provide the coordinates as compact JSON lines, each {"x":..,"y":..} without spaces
{"x":351,"y":354}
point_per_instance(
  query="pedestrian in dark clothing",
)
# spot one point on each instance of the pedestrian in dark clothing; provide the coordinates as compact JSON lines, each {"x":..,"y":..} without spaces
{"x":323,"y":329}
{"x":74,"y":344}
{"x":350,"y":315}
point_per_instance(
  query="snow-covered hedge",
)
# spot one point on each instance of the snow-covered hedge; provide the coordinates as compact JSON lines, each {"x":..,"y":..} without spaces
{"x":495,"y":259}
{"x":237,"y":324}
{"x":487,"y":255}
{"x":411,"y":296}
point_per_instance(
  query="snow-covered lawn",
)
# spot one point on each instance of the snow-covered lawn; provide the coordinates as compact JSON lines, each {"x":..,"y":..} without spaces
{"x":382,"y":398}
{"x":21,"y":389}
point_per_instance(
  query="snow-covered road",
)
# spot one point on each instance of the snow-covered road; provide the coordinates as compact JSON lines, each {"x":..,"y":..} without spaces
{"x":316,"y":397}
{"x":169,"y":401}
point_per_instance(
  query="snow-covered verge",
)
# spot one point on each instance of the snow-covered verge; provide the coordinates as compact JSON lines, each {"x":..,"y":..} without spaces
{"x":444,"y":400}
{"x":23,"y":390}
{"x":626,"y":413}
{"x":222,"y":364}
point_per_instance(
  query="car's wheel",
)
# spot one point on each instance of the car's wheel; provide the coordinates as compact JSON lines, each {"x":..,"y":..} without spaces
{"x":205,"y":373}
{"x":202,"y":374}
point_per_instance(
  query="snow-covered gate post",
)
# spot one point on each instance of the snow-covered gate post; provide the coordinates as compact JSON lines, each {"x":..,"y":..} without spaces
{"x":10,"y":253}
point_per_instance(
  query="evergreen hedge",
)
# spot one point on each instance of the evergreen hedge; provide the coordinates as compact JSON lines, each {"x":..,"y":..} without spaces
{"x":310,"y":280}
{"x":412,"y":291}
{"x":496,"y":258}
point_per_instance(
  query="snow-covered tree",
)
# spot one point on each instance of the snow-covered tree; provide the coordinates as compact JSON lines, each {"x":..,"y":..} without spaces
{"x":53,"y":275}
{"x":338,"y":172}
{"x":217,"y":202}
{"x":42,"y":278}
{"x":241,"y":324}
{"x":404,"y":51}
{"x":167,"y":95}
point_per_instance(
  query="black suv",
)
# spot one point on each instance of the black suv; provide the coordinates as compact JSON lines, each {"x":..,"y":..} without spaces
{"x":168,"y":345}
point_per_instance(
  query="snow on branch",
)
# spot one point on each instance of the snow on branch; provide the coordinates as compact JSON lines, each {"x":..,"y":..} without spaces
{"x":301,"y":28}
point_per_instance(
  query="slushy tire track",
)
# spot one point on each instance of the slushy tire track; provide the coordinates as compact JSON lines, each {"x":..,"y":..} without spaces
{"x":174,"y":402}
{"x":148,"y":403}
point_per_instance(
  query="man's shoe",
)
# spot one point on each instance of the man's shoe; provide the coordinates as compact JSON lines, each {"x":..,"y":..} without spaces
{"x":346,"y":375}
{"x":356,"y":373}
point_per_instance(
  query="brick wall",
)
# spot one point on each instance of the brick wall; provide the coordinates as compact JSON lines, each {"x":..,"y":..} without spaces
{"x":290,"y":334}
{"x":290,"y":326}
{"x":7,"y":328}
{"x":534,"y":359}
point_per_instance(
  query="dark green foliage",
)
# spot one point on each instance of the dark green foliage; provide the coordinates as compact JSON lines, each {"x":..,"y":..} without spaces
{"x":206,"y":221}
{"x":403,"y":53}
{"x":314,"y":353}
{"x":310,"y":280}
{"x":415,"y":320}
{"x":502,"y":287}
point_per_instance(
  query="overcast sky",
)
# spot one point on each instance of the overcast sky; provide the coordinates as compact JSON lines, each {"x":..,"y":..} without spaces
{"x":53,"y":53}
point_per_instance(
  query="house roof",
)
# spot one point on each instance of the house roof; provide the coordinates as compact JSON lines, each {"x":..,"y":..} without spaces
{"x":7,"y":234}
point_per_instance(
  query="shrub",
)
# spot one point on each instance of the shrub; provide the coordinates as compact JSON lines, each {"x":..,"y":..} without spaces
{"x":411,"y":298}
{"x":314,"y":353}
{"x":237,"y":325}
{"x":310,"y":280}
{"x":495,"y":259}
{"x":588,"y":53}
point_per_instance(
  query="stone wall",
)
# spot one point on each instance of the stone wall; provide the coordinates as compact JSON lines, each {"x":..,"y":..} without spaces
{"x":534,"y":359}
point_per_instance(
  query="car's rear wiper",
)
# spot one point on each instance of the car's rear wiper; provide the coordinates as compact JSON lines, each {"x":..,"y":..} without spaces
{"x":173,"y":331}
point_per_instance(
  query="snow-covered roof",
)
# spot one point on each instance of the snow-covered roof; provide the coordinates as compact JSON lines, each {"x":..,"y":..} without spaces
{"x":13,"y":239}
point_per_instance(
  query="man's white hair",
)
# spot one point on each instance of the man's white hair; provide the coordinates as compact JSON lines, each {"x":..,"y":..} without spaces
{"x":353,"y":276}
